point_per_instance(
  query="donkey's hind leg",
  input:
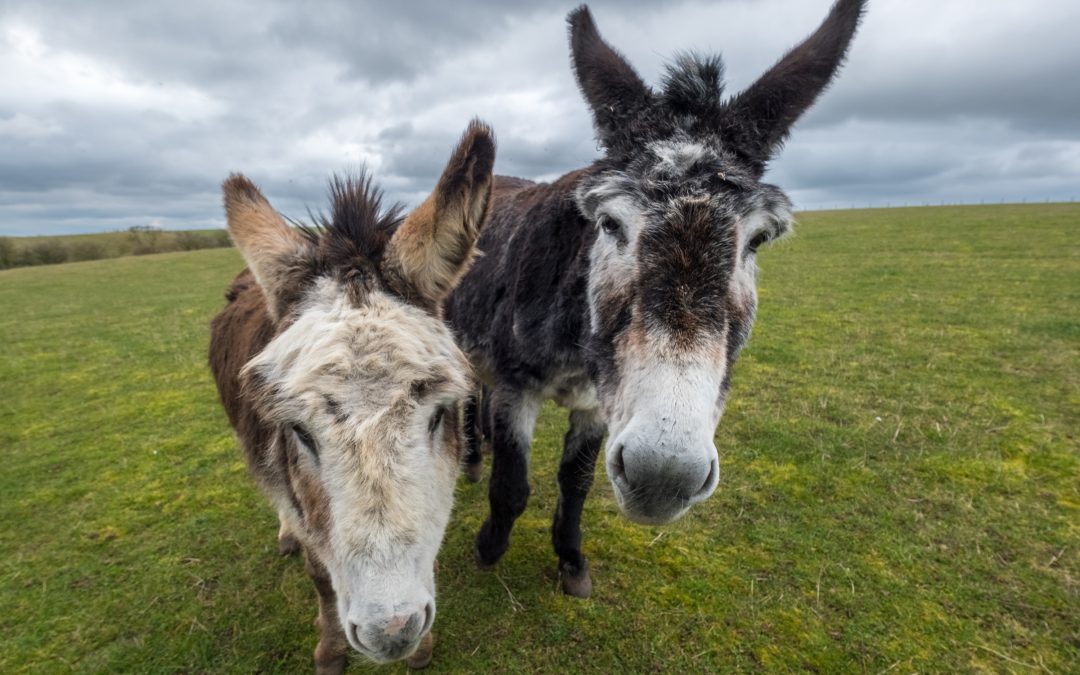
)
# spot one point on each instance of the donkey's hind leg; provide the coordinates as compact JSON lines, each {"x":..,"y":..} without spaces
{"x":332,"y":648}
{"x":580,"y":449}
{"x":513,"y":416}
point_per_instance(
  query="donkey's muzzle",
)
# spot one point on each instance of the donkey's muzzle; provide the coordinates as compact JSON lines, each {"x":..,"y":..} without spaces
{"x":654,"y":486}
{"x":393,"y":638}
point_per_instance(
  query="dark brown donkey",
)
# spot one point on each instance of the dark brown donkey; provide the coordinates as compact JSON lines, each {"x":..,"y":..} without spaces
{"x":345,"y":388}
{"x":625,"y":290}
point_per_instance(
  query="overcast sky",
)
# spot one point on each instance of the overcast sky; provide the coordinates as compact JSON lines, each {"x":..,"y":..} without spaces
{"x":131,"y":113}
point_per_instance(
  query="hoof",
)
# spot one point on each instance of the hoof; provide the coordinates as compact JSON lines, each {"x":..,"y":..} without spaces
{"x":288,"y":545}
{"x":481,"y":562}
{"x":487,"y":553}
{"x":422,"y":656}
{"x":576,"y":581}
{"x":474,"y":472}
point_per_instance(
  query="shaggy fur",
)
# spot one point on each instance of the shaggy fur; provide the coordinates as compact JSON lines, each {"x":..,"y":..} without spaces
{"x":625,"y":290}
{"x":345,"y":389}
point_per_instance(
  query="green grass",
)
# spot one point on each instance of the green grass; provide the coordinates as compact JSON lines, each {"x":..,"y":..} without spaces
{"x":900,"y":479}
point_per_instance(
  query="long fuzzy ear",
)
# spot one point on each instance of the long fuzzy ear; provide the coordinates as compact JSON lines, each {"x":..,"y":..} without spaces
{"x":274,"y":251}
{"x":757,"y":121}
{"x":614,"y":91}
{"x":434,"y":246}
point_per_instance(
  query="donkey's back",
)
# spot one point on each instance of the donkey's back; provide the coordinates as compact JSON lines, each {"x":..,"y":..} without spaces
{"x":240,"y":331}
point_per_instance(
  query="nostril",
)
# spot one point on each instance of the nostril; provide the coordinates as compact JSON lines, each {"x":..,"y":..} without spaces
{"x":617,"y":465}
{"x":354,"y":630}
{"x":429,"y":617}
{"x":711,"y":480}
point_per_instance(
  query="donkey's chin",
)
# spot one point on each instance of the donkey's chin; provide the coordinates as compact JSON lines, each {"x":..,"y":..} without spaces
{"x":644,"y":511}
{"x":646,"y":517}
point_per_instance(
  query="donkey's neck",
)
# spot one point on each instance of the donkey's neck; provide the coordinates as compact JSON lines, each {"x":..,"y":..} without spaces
{"x":522,"y":310}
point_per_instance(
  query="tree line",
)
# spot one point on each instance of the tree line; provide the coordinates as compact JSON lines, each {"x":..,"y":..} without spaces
{"x":137,"y":240}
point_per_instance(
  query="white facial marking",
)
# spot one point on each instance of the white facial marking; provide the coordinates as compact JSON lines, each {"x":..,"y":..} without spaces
{"x":388,"y":482}
{"x":744,"y":280}
{"x":662,"y":425}
{"x":625,"y":212}
{"x":613,"y":266}
{"x":679,"y":386}
{"x":678,"y":156}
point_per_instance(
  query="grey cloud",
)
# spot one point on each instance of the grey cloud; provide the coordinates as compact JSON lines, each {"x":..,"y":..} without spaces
{"x":132,"y":113}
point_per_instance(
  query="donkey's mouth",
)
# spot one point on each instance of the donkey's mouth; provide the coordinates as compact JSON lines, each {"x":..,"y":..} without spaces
{"x":659,"y":502}
{"x":640,"y":507}
{"x":649,"y":514}
{"x":392,"y":653}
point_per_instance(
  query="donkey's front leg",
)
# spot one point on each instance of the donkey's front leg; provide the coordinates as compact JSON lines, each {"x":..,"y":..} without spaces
{"x":580,"y":448}
{"x":513,"y":416}
{"x":332,"y":648}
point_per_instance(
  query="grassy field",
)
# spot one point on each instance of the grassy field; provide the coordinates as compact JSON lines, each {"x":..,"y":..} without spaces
{"x":900,"y":483}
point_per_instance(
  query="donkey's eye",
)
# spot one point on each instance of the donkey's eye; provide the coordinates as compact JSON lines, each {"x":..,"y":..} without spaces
{"x":436,"y":421}
{"x":609,"y":225}
{"x":759,"y":239}
{"x":305,"y":439}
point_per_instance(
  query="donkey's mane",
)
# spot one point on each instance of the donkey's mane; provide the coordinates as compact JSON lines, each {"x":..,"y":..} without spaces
{"x":694,"y":84}
{"x":359,"y":226}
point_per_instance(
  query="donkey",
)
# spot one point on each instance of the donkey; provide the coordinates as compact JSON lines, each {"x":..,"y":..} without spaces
{"x":345,"y":387}
{"x":625,"y":290}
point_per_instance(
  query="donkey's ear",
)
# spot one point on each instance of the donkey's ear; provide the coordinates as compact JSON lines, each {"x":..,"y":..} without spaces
{"x":434,"y":246}
{"x":612,"y":88}
{"x":275,"y":252}
{"x":757,"y":121}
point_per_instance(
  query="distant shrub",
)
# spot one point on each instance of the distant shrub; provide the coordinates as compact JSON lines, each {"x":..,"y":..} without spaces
{"x":7,"y":253}
{"x":221,"y":239}
{"x":193,"y":241}
{"x":86,"y":250}
{"x":46,"y":252}
{"x":190,"y":241}
{"x":144,"y":239}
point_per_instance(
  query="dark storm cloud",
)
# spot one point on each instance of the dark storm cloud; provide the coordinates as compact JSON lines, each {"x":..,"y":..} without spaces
{"x":114,"y":114}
